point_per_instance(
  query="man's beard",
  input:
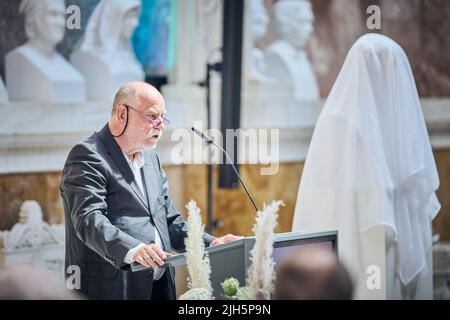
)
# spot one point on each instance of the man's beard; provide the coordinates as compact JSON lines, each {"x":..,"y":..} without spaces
{"x":153,"y":146}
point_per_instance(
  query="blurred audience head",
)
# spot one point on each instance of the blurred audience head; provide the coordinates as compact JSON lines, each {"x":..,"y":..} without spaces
{"x":23,"y":282}
{"x":312,"y":273}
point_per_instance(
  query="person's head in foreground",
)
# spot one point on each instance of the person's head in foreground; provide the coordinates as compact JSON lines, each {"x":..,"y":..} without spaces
{"x":312,"y":273}
{"x":23,"y":282}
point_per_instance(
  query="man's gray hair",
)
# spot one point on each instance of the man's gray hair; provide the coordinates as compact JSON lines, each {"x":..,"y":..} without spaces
{"x":124,"y":93}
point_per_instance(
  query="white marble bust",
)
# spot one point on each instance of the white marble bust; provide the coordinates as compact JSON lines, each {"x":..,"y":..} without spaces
{"x":31,"y":231}
{"x":258,"y":28}
{"x":286,"y":60}
{"x":35,"y":71}
{"x":26,"y":233}
{"x":105,"y":55}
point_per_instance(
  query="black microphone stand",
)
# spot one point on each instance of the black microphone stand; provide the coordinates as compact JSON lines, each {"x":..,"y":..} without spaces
{"x":211,"y":224}
{"x":237,"y":173}
{"x":210,"y":141}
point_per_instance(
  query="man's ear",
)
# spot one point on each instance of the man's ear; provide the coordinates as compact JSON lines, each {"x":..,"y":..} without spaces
{"x":121,"y":113}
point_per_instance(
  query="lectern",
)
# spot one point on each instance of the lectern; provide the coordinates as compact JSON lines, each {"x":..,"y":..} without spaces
{"x":233,"y":259}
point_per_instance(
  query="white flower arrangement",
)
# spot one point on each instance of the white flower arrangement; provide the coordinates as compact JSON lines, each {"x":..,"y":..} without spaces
{"x":261,"y":274}
{"x":196,"y":294}
{"x":197,"y":259}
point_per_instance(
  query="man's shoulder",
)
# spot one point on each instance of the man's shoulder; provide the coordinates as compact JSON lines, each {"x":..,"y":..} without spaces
{"x":86,"y":156}
{"x":90,"y":147}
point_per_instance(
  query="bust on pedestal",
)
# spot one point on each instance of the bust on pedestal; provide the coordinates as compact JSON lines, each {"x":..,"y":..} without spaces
{"x":36,"y":71}
{"x":258,"y":29}
{"x":105,"y":56}
{"x":286,"y":59}
{"x":33,"y":241}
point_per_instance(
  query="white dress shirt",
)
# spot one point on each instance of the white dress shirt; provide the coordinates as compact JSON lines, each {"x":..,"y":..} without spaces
{"x":136,"y":165}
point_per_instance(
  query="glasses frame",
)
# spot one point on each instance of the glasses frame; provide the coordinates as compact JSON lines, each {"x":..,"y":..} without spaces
{"x":155,"y":123}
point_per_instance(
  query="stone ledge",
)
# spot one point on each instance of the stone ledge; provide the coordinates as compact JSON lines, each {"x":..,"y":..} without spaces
{"x":36,"y":137}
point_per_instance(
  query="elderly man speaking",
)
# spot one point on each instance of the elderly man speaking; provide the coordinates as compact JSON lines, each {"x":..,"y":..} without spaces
{"x":117,"y":204}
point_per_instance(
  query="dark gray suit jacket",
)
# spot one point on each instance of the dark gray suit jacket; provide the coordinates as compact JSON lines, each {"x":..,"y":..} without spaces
{"x":106,"y":215}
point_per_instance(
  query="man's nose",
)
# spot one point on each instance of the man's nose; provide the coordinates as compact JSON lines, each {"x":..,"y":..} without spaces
{"x":160,"y":124}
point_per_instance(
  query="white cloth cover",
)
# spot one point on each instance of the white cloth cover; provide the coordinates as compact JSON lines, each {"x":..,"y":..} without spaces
{"x":370,"y":161}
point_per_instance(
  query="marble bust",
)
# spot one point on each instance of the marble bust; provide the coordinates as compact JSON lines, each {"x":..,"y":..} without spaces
{"x":36,"y":71}
{"x":31,"y":231}
{"x":26,"y":233}
{"x":105,"y":55}
{"x":258,"y":28}
{"x":286,"y":59}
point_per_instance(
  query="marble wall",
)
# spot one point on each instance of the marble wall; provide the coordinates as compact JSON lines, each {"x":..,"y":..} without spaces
{"x":232,"y":207}
{"x":420,"y":26}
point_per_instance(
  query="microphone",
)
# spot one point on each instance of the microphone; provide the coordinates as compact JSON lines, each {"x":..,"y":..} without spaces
{"x":205,"y":137}
{"x":210,"y":140}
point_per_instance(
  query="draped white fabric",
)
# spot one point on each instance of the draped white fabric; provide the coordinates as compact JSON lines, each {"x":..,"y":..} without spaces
{"x":370,"y":161}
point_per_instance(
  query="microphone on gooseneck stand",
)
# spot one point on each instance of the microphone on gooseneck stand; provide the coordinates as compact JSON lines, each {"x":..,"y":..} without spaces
{"x":210,"y":140}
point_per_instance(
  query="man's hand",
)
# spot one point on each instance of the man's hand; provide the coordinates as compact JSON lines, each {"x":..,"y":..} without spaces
{"x":151,"y":256}
{"x":225,"y":239}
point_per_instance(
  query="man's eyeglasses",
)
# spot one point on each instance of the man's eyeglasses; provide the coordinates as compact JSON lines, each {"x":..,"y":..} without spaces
{"x":154,"y":122}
